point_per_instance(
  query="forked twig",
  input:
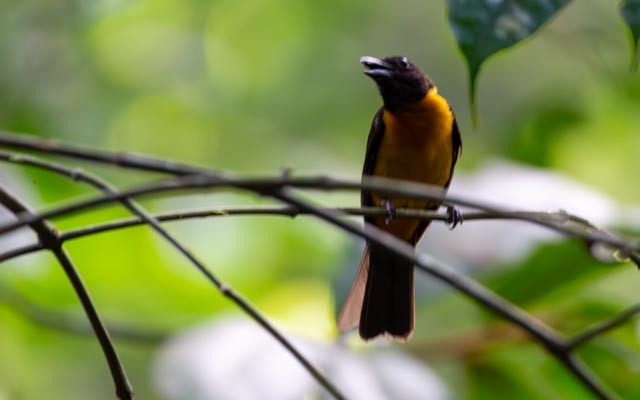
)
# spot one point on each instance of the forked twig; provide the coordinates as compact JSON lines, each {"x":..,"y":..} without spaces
{"x":48,"y":237}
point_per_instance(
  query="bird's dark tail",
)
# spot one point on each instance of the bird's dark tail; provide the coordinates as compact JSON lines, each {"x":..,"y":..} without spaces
{"x":382,"y":297}
{"x":388,"y":306}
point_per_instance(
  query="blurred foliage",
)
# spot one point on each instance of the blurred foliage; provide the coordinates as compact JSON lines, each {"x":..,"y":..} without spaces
{"x":255,"y":86}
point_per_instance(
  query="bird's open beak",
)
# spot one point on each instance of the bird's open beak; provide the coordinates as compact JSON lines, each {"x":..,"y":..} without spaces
{"x":376,"y":67}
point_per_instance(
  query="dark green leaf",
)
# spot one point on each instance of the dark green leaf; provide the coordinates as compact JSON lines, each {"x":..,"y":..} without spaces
{"x":551,"y":267}
{"x":630,"y":10}
{"x":484,"y":27}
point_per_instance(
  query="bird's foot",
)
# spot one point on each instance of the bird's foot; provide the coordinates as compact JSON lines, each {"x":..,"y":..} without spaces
{"x":454,"y":217}
{"x":391,"y":211}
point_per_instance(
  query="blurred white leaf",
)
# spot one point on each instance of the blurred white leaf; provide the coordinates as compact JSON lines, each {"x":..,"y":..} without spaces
{"x":236,"y":359}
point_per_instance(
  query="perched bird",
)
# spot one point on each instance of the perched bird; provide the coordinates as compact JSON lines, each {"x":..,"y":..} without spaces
{"x":414,"y":137}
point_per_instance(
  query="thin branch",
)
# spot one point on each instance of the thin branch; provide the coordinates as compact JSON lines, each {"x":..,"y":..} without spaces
{"x":585,"y":375}
{"x":49,"y":238}
{"x":293,"y":212}
{"x":19,"y":251}
{"x":378,"y":185}
{"x":288,"y":211}
{"x":602,"y":327}
{"x":147,"y":218}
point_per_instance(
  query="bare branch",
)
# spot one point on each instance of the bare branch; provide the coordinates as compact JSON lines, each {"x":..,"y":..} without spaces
{"x":49,"y":238}
{"x":293,"y":212}
{"x":580,"y":370}
{"x":19,"y":251}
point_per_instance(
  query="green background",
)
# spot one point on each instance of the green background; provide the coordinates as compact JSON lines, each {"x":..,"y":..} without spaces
{"x":255,"y":86}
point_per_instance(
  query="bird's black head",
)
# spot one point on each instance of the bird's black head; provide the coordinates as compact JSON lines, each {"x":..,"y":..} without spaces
{"x":400,"y":82}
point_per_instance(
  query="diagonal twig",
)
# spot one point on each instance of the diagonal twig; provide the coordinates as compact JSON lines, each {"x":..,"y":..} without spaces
{"x":602,"y":327}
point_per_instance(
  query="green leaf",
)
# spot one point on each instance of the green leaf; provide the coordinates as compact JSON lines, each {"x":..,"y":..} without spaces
{"x":630,"y":10}
{"x":552,"y":267}
{"x":484,"y":27}
{"x":521,"y":371}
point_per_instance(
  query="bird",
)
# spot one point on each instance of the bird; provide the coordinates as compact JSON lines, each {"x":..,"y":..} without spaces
{"x":414,"y":137}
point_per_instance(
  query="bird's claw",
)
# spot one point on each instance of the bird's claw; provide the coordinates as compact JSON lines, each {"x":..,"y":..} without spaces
{"x":391,"y":211}
{"x":454,"y":217}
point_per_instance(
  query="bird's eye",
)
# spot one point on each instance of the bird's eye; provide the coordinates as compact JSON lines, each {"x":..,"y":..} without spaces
{"x":404,"y":62}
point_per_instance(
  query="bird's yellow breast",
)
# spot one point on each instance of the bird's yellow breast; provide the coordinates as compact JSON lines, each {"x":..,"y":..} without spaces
{"x":417,"y":143}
